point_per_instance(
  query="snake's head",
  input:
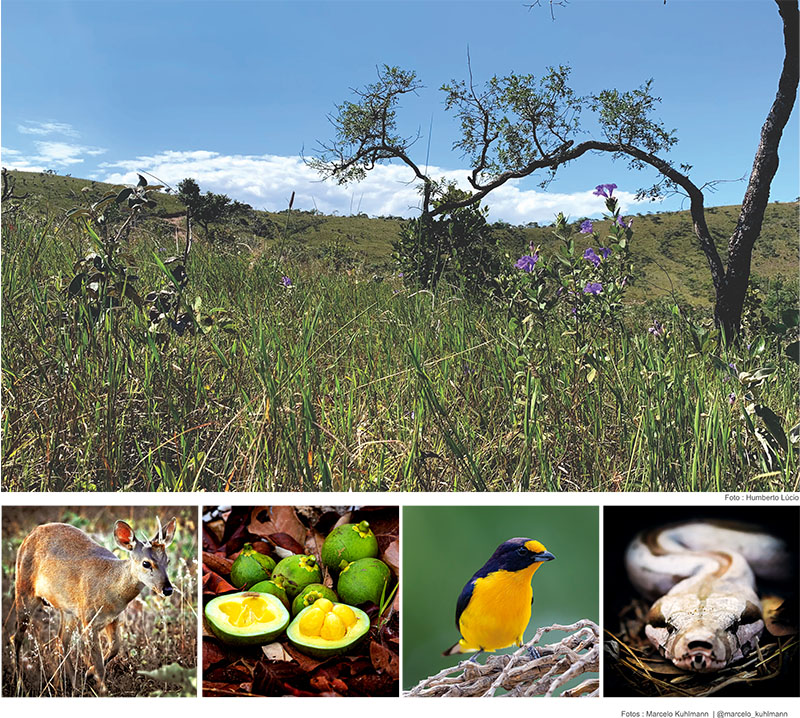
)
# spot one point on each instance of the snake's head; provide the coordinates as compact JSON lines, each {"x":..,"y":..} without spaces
{"x":702,"y":643}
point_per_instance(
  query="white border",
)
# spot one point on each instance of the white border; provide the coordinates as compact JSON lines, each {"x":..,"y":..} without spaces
{"x":380,"y":707}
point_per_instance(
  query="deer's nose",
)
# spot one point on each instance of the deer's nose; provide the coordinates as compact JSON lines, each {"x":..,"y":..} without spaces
{"x":167,"y":590}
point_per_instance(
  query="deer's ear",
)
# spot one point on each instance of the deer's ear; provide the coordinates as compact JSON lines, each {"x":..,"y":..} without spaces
{"x":123,"y":535}
{"x":165,"y":536}
{"x":169,"y":532}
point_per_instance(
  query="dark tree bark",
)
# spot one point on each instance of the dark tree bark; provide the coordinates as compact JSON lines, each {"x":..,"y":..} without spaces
{"x":731,"y":291}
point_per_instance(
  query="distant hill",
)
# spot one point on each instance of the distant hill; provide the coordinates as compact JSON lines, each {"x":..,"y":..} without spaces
{"x":664,"y":248}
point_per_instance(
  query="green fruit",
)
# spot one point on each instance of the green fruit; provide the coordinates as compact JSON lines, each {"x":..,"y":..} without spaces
{"x":348,"y":543}
{"x":246,"y":618}
{"x":294,"y":573}
{"x":325,"y":628}
{"x":250,"y":567}
{"x":274,"y":589}
{"x":364,"y":580}
{"x":310,"y":594}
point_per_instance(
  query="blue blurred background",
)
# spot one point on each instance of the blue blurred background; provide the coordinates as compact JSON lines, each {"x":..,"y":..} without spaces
{"x":443,"y":546}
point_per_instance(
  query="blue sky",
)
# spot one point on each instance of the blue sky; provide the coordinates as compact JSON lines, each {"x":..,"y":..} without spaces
{"x":231,"y":92}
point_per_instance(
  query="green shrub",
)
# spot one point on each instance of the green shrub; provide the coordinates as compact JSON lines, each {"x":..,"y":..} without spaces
{"x":459,"y":248}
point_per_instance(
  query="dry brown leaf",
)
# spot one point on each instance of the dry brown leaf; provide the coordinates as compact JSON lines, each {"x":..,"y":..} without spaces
{"x":284,"y":540}
{"x":276,"y":652}
{"x":216,"y":528}
{"x":212,"y":654}
{"x":391,"y":556}
{"x":218,"y":564}
{"x":285,"y":520}
{"x":384,"y":659}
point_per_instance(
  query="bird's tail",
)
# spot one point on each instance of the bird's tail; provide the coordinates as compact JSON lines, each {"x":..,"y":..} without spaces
{"x":460,"y":647}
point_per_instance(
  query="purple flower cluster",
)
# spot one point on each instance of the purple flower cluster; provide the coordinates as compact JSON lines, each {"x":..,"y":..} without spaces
{"x":591,"y":256}
{"x":622,"y":223}
{"x":657,"y":330}
{"x":604,"y":190}
{"x":593,"y":288}
{"x":285,"y":281}
{"x":586,"y":226}
{"x":527,"y":262}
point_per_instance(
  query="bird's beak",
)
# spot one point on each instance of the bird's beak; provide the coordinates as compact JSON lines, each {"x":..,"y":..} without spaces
{"x":546,"y":556}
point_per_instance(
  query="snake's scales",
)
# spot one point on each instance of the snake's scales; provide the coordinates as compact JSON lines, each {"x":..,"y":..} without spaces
{"x":702,"y":577}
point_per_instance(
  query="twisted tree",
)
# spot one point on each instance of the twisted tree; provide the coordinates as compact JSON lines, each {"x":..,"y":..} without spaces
{"x":519,"y":125}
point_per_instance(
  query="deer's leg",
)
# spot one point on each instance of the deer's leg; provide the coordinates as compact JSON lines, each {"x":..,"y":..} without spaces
{"x":112,"y":634}
{"x":70,"y":647}
{"x":98,"y":669}
{"x":25,"y":603}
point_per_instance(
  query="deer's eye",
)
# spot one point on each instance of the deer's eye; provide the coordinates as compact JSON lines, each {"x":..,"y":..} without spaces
{"x":147,"y":564}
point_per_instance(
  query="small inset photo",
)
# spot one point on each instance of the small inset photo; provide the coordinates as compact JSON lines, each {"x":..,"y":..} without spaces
{"x":500,"y":601}
{"x":301,"y":601}
{"x":99,"y":601}
{"x":700,"y":601}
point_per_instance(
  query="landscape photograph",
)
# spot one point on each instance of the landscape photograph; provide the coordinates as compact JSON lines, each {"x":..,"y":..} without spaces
{"x":400,"y":246}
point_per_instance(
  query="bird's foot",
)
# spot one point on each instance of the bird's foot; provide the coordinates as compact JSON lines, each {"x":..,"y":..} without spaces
{"x":533,"y":653}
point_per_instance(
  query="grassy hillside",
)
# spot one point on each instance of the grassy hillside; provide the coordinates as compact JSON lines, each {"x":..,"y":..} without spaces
{"x":665,"y":251}
{"x":351,"y":380}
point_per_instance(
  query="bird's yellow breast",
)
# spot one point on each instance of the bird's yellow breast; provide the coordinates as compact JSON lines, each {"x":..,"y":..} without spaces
{"x":498,"y":611}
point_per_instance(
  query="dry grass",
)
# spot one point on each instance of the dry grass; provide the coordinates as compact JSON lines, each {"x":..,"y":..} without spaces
{"x":636,"y":664}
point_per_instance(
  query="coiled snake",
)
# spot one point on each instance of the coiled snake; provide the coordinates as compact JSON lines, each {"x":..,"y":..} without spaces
{"x":702,"y":576}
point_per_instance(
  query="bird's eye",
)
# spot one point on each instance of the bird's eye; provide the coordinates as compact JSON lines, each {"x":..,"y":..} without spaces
{"x":147,"y":564}
{"x":522,"y":551}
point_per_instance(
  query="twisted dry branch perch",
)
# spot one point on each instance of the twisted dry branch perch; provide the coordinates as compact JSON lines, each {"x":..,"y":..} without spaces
{"x":520,"y":674}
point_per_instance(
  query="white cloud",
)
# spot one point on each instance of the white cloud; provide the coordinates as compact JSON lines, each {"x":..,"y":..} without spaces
{"x":267,"y":182}
{"x":29,"y":127}
{"x":51,"y":155}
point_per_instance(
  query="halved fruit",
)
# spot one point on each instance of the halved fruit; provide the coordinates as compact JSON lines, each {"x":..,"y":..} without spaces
{"x":246,"y":618}
{"x":325,"y":628}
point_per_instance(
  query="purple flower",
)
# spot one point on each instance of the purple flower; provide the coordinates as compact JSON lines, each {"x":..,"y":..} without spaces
{"x":657,"y":330}
{"x":586,"y":226}
{"x":622,"y":223}
{"x":605,"y":252}
{"x":285,"y":281}
{"x":593,"y":288}
{"x":731,"y":398}
{"x":590,"y":256}
{"x":604,"y":190}
{"x":527,"y":262}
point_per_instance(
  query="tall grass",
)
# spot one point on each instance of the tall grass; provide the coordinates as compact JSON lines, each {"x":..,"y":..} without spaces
{"x":342,"y":382}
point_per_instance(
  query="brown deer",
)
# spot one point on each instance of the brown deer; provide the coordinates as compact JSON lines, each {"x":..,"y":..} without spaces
{"x":60,"y":566}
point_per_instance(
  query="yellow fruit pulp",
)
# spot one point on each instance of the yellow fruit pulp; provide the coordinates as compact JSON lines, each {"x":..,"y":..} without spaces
{"x":327,"y":620}
{"x":248,"y":611}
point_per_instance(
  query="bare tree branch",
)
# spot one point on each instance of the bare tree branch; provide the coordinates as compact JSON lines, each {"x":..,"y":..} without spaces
{"x":520,"y":674}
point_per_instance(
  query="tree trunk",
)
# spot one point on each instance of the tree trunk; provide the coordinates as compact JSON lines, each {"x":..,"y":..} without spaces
{"x":730,"y":294}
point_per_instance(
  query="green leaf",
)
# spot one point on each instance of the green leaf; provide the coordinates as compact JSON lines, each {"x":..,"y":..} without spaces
{"x":773,"y":423}
{"x":142,"y":181}
{"x":794,"y":434}
{"x":793,"y":351}
{"x":791,"y":317}
{"x":759,"y":346}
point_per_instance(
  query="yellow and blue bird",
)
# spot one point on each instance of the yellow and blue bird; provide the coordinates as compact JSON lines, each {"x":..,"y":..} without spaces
{"x":494,"y":608}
